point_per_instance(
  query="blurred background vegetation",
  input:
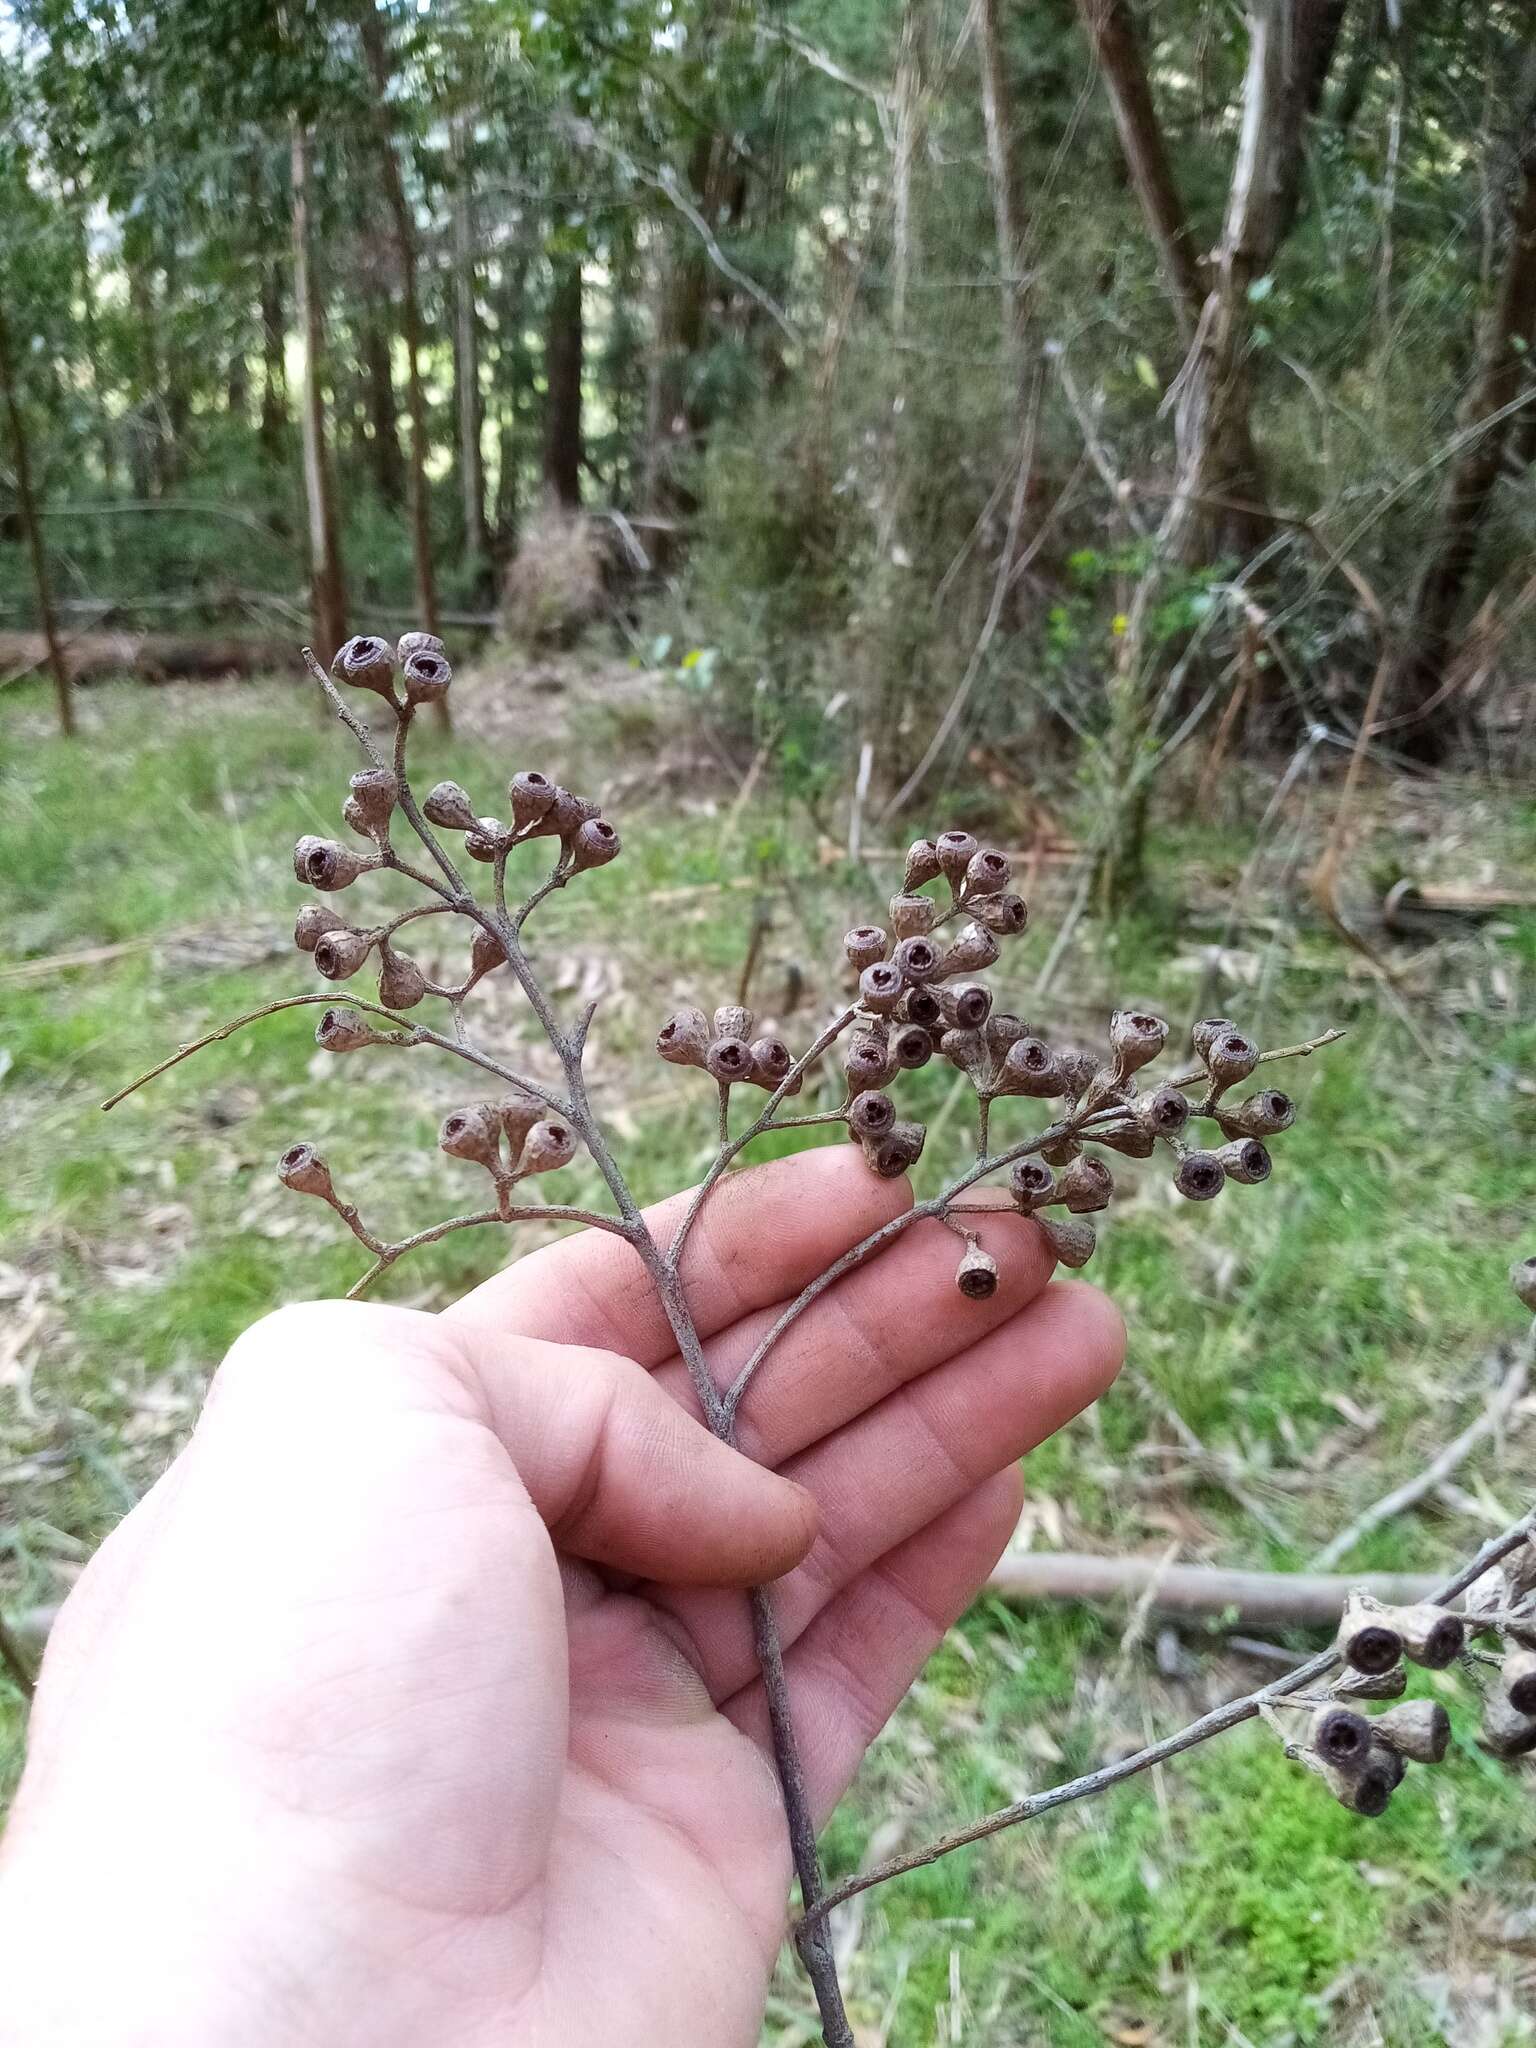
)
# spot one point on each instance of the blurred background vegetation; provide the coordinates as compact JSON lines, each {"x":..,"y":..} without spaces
{"x":1109,"y":425}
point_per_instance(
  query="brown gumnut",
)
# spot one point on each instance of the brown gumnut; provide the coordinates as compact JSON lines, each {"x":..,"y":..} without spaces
{"x":954,"y":850}
{"x":342,"y":1030}
{"x":312,"y":924}
{"x":867,"y":1060}
{"x":1419,"y":1730}
{"x":531,"y":796}
{"x":1204,"y":1035}
{"x":771,"y":1061}
{"x":733,"y":1020}
{"x":1259,"y":1116}
{"x":1367,"y":1639}
{"x":569,"y":812}
{"x":729,"y":1060}
{"x":302,"y":1169}
{"x":899,"y":1148}
{"x":974,"y":950}
{"x":418,"y":643}
{"x":912,"y":1047}
{"x":964,"y":1049}
{"x":1522,"y":1277}
{"x":921,"y":1006}
{"x":449,"y":806}
{"x":1340,"y":1737}
{"x":325,"y":865}
{"x":1506,"y":1732}
{"x":916,"y":960}
{"x":485,"y":840}
{"x":1004,"y":1029}
{"x":976,"y":1274}
{"x":1246,"y":1161}
{"x":987,"y":872}
{"x":487,"y":952}
{"x":365,"y":663}
{"x":426,"y":677}
{"x":967,"y":1005}
{"x":913,"y":917}
{"x":341,"y":952}
{"x":1232,"y":1058}
{"x":1107,"y":1089}
{"x":1135,"y":1038}
{"x":595,"y":844}
{"x":921,"y":865}
{"x":1006,"y":915}
{"x":1518,"y":1677}
{"x":1086,"y":1185}
{"x":1130,"y":1140}
{"x":1201,"y":1176}
{"x":402,"y":985}
{"x":880,"y":987}
{"x":864,"y":945}
{"x":1071,"y":1242}
{"x":474,"y":1133}
{"x":1031,"y":1068}
{"x":374,"y":794}
{"x":1390,"y":1684}
{"x":519,"y":1113}
{"x":1367,"y":1791}
{"x":1078,"y":1070}
{"x":1431,"y":1636}
{"x":1061,"y":1152}
{"x":1033,"y":1184}
{"x":871,"y":1114}
{"x":1164,"y":1112}
{"x":548,"y":1146}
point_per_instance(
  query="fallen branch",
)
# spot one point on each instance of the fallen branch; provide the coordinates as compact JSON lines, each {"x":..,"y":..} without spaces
{"x":1253,"y":1599}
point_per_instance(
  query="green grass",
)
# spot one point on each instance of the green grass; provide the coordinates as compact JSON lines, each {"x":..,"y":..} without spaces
{"x":1327,"y":1330}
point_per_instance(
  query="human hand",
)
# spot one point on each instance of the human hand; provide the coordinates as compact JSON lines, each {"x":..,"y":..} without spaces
{"x":412,"y":1705}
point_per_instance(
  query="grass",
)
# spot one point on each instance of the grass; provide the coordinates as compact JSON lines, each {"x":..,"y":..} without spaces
{"x":1327,"y":1332}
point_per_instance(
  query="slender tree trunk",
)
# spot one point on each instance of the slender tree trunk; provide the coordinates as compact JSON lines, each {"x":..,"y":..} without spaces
{"x":327,"y":582}
{"x":512,"y":382}
{"x":21,"y":459}
{"x":466,"y":360}
{"x":562,"y":378}
{"x":148,"y":444}
{"x":273,"y":429}
{"x":909,"y":120}
{"x":1363,"y":59}
{"x":1446,"y":572}
{"x":383,"y":414}
{"x":1009,"y":212}
{"x":92,"y":336}
{"x":672,"y":411}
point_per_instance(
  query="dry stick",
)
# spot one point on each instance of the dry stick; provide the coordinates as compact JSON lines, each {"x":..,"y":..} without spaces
{"x":527,"y":1212}
{"x":1252,"y":1599}
{"x":1215,"y":1723}
{"x":1493,"y":1418}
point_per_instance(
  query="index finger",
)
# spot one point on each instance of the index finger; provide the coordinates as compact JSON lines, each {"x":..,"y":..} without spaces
{"x":763,"y":1234}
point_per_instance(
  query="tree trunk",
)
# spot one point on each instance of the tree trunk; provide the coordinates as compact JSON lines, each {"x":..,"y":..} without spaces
{"x":1446,"y":571}
{"x":466,"y":362}
{"x":512,"y":381}
{"x":327,"y":583}
{"x":1009,"y":212}
{"x":682,"y":299}
{"x":273,"y":429}
{"x":909,"y":124}
{"x":21,"y":459}
{"x":562,"y":379}
{"x":387,"y":462}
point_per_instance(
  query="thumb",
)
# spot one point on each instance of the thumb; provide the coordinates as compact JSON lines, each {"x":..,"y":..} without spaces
{"x":622,"y":1476}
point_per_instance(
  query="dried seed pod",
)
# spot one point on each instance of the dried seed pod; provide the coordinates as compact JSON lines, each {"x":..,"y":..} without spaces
{"x":734,"y":1020}
{"x":402,"y":985}
{"x":1085,"y":1186}
{"x":973,"y":951}
{"x":1061,"y":1152}
{"x":871,"y":1114}
{"x":1201,"y":1176}
{"x":913,"y":917}
{"x":967,"y":1005}
{"x":684,"y":1038}
{"x":912,"y":1047}
{"x":1522,"y":1277}
{"x":976,"y":1274}
{"x":771,"y":1062}
{"x":921,"y":865}
{"x":1232,"y":1058}
{"x":1431,"y":1636}
{"x":922,"y":1006}
{"x":1340,"y":1737}
{"x":365,"y":663}
{"x":418,"y":643}
{"x":880,"y":987}
{"x":1030,"y":1068}
{"x":1130,"y":1140}
{"x":1006,"y":914}
{"x":486,"y":840}
{"x":343,"y":1030}
{"x":864,"y":945}
{"x":987,"y":872}
{"x":1519,"y":1680}
{"x":1371,"y":1685}
{"x":1506,"y":1732}
{"x":1033,"y":1185}
{"x":916,"y":960}
{"x":531,"y":797}
{"x":867,"y":1060}
{"x":375,"y":792}
{"x":548,"y":1146}
{"x":1072,"y":1243}
{"x":486,"y":953}
{"x":325,"y":865}
{"x":473,"y":1133}
{"x":1246,"y":1161}
{"x":519,"y":1112}
{"x":1259,"y":1116}
{"x":302,"y":1169}
{"x":340,"y":953}
{"x":449,"y":806}
{"x":729,"y":1060}
{"x":954,"y":850}
{"x":426,"y":676}
{"x":1205,"y":1034}
{"x":900,"y":1147}
{"x":1419,"y":1730}
{"x":1164,"y":1112}
{"x":1004,"y":1029}
{"x":312,"y":924}
{"x":964,"y":1049}
{"x":1367,"y":1791}
{"x":1136,"y":1037}
{"x":569,"y":812}
{"x":1107,"y":1090}
{"x":1078,"y":1070}
{"x":1367,"y":1639}
{"x":595,"y":844}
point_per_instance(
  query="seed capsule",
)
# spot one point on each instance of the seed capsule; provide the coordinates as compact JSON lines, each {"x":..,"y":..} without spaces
{"x":964,"y":1049}
{"x":1371,"y":1685}
{"x":374,"y":793}
{"x":912,"y":1047}
{"x":1086,"y":1185}
{"x":899,"y":1148}
{"x":729,"y":1060}
{"x":1522,"y":1277}
{"x":426,"y":677}
{"x":418,"y":643}
{"x":987,"y":872}
{"x":913,"y":917}
{"x":1033,"y":1185}
{"x":921,"y":865}
{"x":1367,"y":1792}
{"x":1431,"y":1636}
{"x":568,"y":813}
{"x":486,"y":953}
{"x":1246,"y":1161}
{"x":968,"y":1004}
{"x":916,"y":960}
{"x":1078,"y":1070}
{"x":871,"y":1114}
{"x":1341,"y":1737}
{"x":1135,"y":1038}
{"x":343,"y":1030}
{"x":486,"y":840}
{"x":1419,"y":1730}
{"x":974,"y":950}
{"x":1072,"y":1242}
{"x":402,"y":985}
{"x":1519,"y":1680}
{"x":1006,"y":915}
{"x":595,"y":844}
{"x":340,"y":953}
{"x":531,"y":796}
{"x":976,"y":1274}
{"x":473,"y":1133}
{"x":1004,"y":1029}
{"x":1260,"y":1116}
{"x":1061,"y":1152}
{"x":1030,"y":1068}
{"x":955,"y":850}
{"x":1367,"y":1639}
{"x":519,"y":1112}
{"x":922,"y":1006}
{"x":1232,"y":1058}
{"x":302,"y":1169}
{"x":1164,"y":1112}
{"x":1205,"y":1034}
{"x":867,"y":1060}
{"x":734,"y":1020}
{"x":1131,"y":1141}
{"x":325,"y":865}
{"x":1201,"y":1176}
{"x":312,"y":924}
{"x":548,"y":1146}
{"x":449,"y":806}
{"x":864,"y":945}
{"x":364,"y":663}
{"x":1506,"y":1732}
{"x":771,"y":1061}
{"x":880,"y":987}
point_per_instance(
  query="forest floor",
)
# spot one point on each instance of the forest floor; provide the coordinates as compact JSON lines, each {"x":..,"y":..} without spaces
{"x":1319,"y":1338}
